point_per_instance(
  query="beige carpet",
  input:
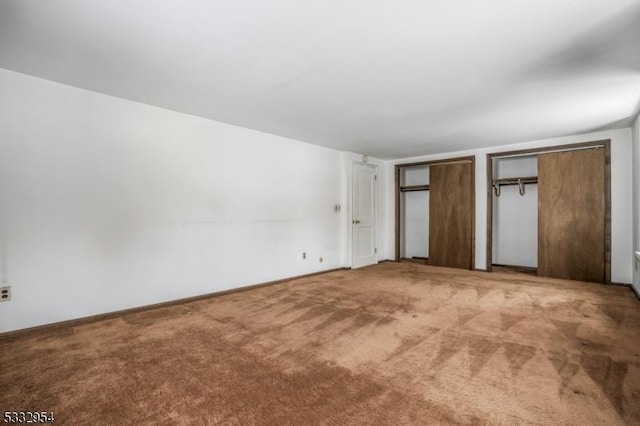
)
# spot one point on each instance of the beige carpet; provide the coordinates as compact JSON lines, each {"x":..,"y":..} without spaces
{"x":389,"y":344}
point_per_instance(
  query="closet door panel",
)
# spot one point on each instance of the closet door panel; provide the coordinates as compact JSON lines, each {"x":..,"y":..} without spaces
{"x":450,"y":215}
{"x":571,"y":215}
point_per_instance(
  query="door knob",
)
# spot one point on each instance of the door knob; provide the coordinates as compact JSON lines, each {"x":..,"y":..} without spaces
{"x":356,"y":221}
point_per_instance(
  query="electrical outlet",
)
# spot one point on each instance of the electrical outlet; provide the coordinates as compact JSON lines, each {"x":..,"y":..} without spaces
{"x":5,"y":293}
{"x":321,"y":260}
{"x":304,"y":254}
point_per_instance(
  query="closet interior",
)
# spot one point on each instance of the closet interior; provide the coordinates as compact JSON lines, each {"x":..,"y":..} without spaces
{"x":515,"y":213}
{"x":414,"y":220}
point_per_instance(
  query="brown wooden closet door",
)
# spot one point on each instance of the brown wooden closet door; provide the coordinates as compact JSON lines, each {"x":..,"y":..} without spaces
{"x":451,"y":215}
{"x":571,"y":215}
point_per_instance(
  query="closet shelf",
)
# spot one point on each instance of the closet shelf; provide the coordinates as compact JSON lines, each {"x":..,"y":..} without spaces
{"x":411,"y":188}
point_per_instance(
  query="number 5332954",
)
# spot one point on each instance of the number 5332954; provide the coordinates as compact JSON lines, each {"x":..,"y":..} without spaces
{"x":28,"y":417}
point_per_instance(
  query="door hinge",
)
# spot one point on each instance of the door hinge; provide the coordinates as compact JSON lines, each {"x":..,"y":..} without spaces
{"x":375,"y":250}
{"x":375,"y":177}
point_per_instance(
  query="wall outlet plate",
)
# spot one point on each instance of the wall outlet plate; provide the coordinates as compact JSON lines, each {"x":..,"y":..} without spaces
{"x":5,"y":293}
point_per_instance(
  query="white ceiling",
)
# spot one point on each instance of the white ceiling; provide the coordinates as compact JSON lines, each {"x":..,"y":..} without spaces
{"x":387,"y":78}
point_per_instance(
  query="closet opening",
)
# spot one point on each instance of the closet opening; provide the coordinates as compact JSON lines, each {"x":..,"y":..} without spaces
{"x":414,"y":217}
{"x":435,"y":205}
{"x":515,"y":213}
{"x":548,"y":211}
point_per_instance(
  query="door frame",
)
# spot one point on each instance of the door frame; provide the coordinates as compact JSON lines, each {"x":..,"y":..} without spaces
{"x":398,"y":208}
{"x":605,"y":143}
{"x":352,"y":202}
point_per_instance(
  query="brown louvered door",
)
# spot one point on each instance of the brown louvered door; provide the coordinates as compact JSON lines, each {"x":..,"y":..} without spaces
{"x":451,"y":215}
{"x":571,"y":215}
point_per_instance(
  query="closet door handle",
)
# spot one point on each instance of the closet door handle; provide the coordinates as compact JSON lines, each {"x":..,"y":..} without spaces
{"x":356,"y":221}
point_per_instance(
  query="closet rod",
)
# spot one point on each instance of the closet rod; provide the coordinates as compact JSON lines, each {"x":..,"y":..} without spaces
{"x":520,"y":181}
{"x":412,"y":188}
{"x":516,"y":180}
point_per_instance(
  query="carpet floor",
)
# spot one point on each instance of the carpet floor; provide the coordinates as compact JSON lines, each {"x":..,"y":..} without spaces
{"x":394,"y":343}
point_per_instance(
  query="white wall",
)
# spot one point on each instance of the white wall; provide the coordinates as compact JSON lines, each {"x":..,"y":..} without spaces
{"x":621,"y":194}
{"x":515,"y":216}
{"x":636,"y":201}
{"x":415,"y":224}
{"x":108,"y":204}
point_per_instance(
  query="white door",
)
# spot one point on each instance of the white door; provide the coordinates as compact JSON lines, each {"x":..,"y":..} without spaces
{"x":363,"y":220}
